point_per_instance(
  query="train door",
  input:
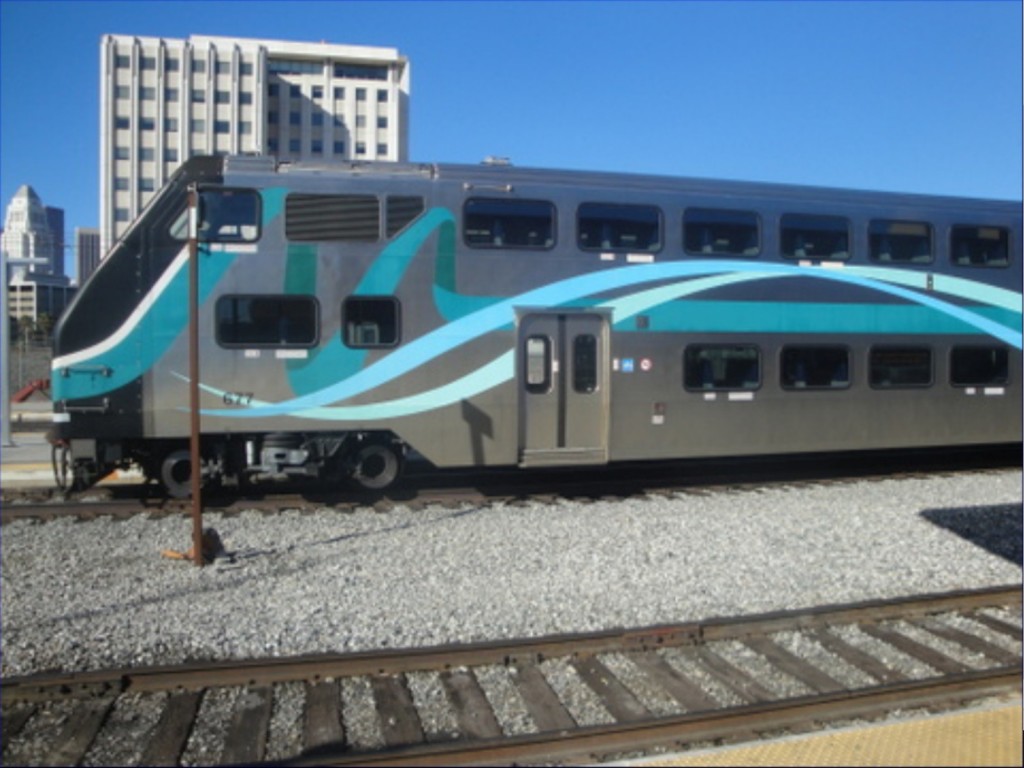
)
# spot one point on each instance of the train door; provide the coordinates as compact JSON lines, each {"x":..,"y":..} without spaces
{"x":564,"y":388}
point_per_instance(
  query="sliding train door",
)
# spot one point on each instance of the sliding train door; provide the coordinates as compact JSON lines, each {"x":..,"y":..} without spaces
{"x":564,"y":387}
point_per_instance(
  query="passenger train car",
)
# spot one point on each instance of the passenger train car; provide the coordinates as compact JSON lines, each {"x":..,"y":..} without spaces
{"x":491,"y":315}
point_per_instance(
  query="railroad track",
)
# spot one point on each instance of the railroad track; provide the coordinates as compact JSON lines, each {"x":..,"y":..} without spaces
{"x":425,"y":486}
{"x":570,"y":698}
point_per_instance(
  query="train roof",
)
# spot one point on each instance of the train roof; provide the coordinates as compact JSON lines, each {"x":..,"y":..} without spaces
{"x":506,"y":174}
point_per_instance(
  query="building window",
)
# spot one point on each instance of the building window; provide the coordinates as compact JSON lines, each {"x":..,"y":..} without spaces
{"x":147,"y":123}
{"x":245,"y":97}
{"x":360,"y":94}
{"x":146,"y":185}
{"x":815,"y":368}
{"x":501,"y":223}
{"x":899,"y":367}
{"x":123,"y":61}
{"x":908,"y":242}
{"x":721,"y":367}
{"x":147,"y":63}
{"x":370,"y":321}
{"x":318,"y":91}
{"x":147,"y":93}
{"x":170,"y":155}
{"x":122,"y":123}
{"x":294,"y":146}
{"x":122,"y":92}
{"x":294,"y":91}
{"x":382,"y":122}
{"x":198,"y":125}
{"x":360,"y":121}
{"x":223,"y":67}
{"x":360,"y":148}
{"x":803,"y":236}
{"x":339,"y":147}
{"x":267,"y":321}
{"x":198,"y":96}
{"x":272,"y":117}
{"x":317,"y":118}
{"x":339,"y":93}
{"x":245,"y":68}
{"x":222,"y":97}
{"x":121,"y":184}
{"x":980,"y":246}
{"x":198,"y":66}
{"x":245,"y":127}
{"x":295,"y":118}
{"x":170,"y":94}
{"x":146,"y":153}
{"x":360,"y":72}
{"x":172,"y":65}
{"x":121,"y":153}
{"x":121,"y":214}
{"x":221,"y":126}
{"x":608,"y":227}
{"x":170,"y":124}
{"x":320,"y":218}
{"x":979,"y":366}
{"x":272,"y":89}
{"x":716,"y":232}
{"x":316,"y":147}
{"x":382,"y":97}
{"x":272,"y":145}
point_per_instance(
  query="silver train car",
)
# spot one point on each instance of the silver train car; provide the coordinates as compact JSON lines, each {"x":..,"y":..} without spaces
{"x":491,"y":315}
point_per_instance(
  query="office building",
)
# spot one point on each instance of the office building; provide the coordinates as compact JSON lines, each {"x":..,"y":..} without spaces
{"x":35,"y":289}
{"x":87,"y":252}
{"x":164,"y":100}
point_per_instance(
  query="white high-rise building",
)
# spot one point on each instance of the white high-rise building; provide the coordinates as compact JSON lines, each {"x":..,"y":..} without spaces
{"x":164,"y":100}
{"x":35,"y":289}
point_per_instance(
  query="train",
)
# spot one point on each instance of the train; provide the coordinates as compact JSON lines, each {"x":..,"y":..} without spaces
{"x":351,"y":314}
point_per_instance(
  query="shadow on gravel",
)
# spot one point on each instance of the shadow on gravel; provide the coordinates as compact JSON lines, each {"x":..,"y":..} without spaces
{"x":997,"y":527}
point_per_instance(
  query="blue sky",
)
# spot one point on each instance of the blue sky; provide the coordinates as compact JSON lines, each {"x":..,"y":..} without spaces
{"x":909,"y":96}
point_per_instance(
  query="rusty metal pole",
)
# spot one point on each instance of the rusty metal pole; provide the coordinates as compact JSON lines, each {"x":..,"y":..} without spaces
{"x":193,"y":374}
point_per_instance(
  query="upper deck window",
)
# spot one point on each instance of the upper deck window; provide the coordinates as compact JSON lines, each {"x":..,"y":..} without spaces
{"x":353,"y":218}
{"x":909,"y":242}
{"x":804,"y":236}
{"x":499,"y":223}
{"x":605,"y":227}
{"x":721,"y":232}
{"x":980,"y":246}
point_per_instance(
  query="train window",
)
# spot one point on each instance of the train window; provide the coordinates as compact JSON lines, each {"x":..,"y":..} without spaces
{"x":725,"y":366}
{"x":900,"y":367}
{"x":900,"y":241}
{"x":814,"y":237}
{"x":815,"y":368}
{"x":716,"y":232}
{"x":497,"y":223}
{"x":229,"y":215}
{"x":584,"y":363}
{"x":980,"y":246}
{"x":538,"y":364}
{"x":370,"y":321}
{"x":266,"y":321}
{"x":979,"y":366}
{"x":320,"y":218}
{"x":400,"y":212}
{"x":605,"y":227}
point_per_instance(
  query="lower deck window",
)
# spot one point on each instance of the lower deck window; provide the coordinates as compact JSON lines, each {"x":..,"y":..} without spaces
{"x":900,"y":367}
{"x":713,"y":367}
{"x":979,"y":366}
{"x":815,"y":368}
{"x":370,"y":321}
{"x":266,"y":321}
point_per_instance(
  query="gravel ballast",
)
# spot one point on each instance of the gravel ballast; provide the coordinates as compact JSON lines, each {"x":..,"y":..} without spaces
{"x":88,"y":595}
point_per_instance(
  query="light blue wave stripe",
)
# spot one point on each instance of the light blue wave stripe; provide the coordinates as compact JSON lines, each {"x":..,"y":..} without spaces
{"x":953,"y":286}
{"x":461,"y":331}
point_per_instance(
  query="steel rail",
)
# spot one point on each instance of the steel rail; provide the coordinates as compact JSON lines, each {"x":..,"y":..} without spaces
{"x":198,"y":675}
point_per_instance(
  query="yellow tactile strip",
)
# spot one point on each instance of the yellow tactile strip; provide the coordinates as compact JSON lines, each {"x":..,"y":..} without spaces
{"x":974,"y":738}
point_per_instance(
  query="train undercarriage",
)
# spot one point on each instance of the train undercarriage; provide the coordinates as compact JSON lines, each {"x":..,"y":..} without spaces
{"x":366,"y":460}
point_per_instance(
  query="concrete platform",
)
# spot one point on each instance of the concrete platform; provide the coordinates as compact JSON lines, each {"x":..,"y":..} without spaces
{"x":988,"y":735}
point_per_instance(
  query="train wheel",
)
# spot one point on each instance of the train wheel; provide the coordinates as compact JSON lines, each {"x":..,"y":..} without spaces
{"x":377,"y":465}
{"x":176,"y":474}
